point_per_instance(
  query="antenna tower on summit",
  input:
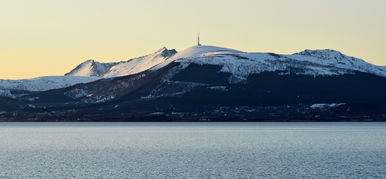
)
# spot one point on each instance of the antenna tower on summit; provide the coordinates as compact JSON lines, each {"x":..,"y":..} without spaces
{"x":198,"y":40}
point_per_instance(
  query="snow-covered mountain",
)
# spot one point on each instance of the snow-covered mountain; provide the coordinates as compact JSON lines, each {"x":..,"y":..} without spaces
{"x":199,"y":65}
{"x":43,"y":83}
{"x":207,"y":82}
{"x":92,"y":68}
{"x":242,"y":64}
{"x":239,"y":64}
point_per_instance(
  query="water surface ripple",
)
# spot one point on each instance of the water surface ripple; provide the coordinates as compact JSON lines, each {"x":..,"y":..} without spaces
{"x":192,"y":150}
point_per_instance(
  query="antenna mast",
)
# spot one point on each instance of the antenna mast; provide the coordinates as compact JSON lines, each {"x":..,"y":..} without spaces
{"x":198,"y":43}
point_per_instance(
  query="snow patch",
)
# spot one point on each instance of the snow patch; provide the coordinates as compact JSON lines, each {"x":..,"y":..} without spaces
{"x":324,"y":105}
{"x":219,"y":88}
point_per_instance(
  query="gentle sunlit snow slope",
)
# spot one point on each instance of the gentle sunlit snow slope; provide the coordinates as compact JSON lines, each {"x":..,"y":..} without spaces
{"x":45,"y":83}
{"x":132,"y":66}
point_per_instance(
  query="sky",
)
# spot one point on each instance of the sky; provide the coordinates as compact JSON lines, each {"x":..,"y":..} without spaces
{"x":51,"y":37}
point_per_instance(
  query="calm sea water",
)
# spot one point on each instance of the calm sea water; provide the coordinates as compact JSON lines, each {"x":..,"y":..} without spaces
{"x":192,"y":150}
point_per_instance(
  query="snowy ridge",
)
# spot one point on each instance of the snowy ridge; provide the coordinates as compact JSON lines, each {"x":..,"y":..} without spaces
{"x":140,"y":64}
{"x":335,"y":58}
{"x":43,"y":83}
{"x":242,"y":64}
{"x":92,"y":68}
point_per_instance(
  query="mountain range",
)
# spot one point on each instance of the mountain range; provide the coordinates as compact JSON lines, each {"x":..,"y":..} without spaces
{"x":205,"y":83}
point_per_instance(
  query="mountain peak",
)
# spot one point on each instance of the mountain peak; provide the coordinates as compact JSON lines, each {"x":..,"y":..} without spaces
{"x":90,"y":68}
{"x":337,"y":59}
{"x":322,"y":53}
{"x":164,"y":52}
{"x":161,"y":50}
{"x":89,"y":61}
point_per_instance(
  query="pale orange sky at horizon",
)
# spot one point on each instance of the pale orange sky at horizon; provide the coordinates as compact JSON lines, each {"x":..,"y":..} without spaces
{"x":48,"y":38}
